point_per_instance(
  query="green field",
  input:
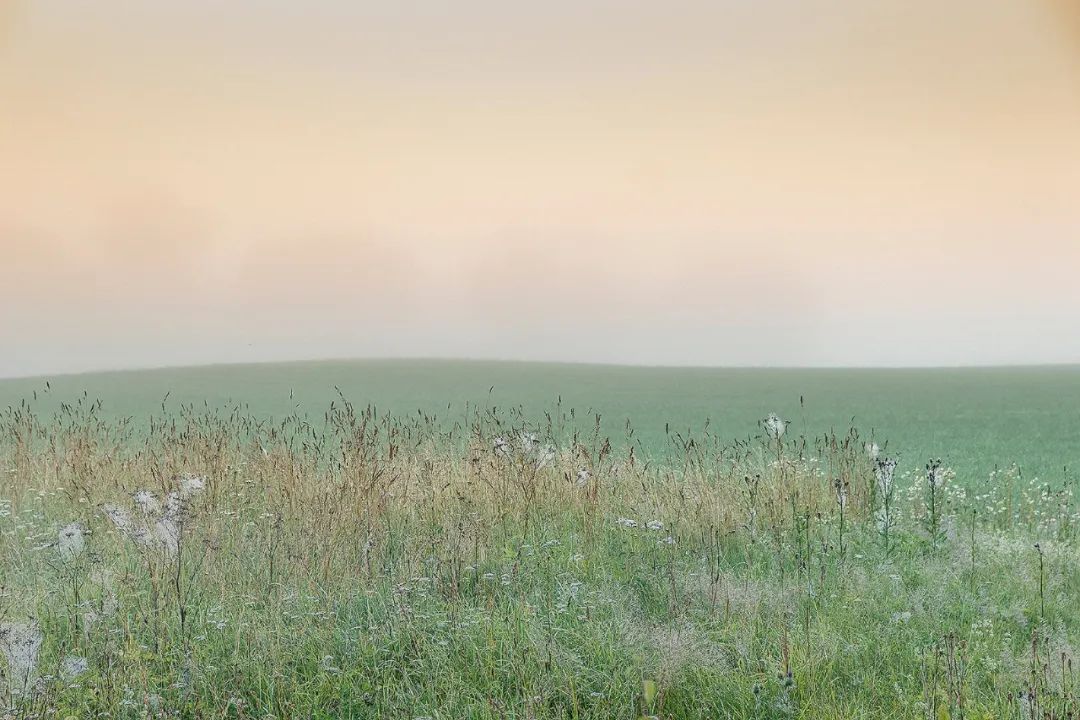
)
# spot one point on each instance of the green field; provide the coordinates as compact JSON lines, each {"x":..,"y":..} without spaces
{"x":203,"y":561}
{"x":974,"y":418}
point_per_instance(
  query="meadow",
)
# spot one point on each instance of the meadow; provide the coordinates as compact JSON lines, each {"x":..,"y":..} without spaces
{"x":974,"y":418}
{"x":897,"y":544}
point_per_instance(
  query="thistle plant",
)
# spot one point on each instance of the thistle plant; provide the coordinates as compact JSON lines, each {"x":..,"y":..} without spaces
{"x":884,"y":470}
{"x":935,"y":480}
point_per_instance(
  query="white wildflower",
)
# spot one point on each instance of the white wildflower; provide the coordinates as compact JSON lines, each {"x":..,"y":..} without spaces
{"x":71,"y":541}
{"x":528,"y":443}
{"x":872,"y":450}
{"x":627,"y":522}
{"x":20,"y":644}
{"x":583,"y":476}
{"x":654,"y":525}
{"x":669,"y":540}
{"x":500,"y":446}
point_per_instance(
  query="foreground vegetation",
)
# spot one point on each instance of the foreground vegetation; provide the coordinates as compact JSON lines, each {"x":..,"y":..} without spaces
{"x":212,"y":565}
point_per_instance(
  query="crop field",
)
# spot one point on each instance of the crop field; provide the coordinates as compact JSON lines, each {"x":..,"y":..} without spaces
{"x":427,"y":539}
{"x":975,"y":419}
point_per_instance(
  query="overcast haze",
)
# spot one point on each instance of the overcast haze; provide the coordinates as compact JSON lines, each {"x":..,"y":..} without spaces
{"x":778,"y":182}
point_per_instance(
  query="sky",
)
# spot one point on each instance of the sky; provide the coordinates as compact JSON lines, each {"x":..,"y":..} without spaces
{"x":777,"y":182}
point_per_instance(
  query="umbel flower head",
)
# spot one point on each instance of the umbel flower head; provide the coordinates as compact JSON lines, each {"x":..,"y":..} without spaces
{"x":774,"y":426}
{"x":872,"y":450}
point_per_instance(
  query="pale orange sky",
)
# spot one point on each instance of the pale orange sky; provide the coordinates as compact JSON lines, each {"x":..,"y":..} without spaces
{"x":780,"y":182}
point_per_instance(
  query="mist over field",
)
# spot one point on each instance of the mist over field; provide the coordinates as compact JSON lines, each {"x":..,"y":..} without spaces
{"x":777,"y":184}
{"x":521,"y":361}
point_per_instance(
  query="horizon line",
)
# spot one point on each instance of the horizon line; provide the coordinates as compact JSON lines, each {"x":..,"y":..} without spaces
{"x":524,"y":361}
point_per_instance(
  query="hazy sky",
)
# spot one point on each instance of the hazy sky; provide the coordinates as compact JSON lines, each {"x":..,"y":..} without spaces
{"x":781,"y":182}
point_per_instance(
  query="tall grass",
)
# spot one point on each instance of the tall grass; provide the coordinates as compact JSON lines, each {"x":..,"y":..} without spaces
{"x":214,"y":564}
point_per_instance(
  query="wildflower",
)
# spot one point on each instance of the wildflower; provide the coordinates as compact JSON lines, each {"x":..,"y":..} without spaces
{"x":841,"y":492}
{"x":20,"y":644}
{"x":583,"y":476}
{"x":528,"y":442}
{"x":935,"y":474}
{"x":872,"y":450}
{"x":883,"y":471}
{"x":500,"y":446}
{"x":71,"y":541}
{"x":774,"y":426}
{"x":627,"y":522}
{"x":666,"y":541}
{"x":654,"y":525}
